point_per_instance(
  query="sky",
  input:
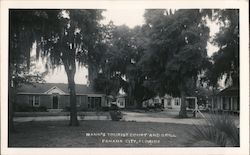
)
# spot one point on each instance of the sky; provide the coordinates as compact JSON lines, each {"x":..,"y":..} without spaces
{"x":129,"y":17}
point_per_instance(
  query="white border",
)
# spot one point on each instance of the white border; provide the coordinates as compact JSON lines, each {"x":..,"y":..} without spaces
{"x":244,"y":73}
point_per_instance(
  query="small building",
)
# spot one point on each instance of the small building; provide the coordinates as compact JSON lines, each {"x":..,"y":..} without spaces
{"x":167,"y":101}
{"x":121,"y":101}
{"x":55,"y":96}
{"x":227,"y":100}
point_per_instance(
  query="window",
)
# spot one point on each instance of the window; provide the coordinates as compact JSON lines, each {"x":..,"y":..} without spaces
{"x":177,"y":102}
{"x":156,"y":100}
{"x":226,"y":103}
{"x":84,"y":101}
{"x":78,"y":101}
{"x":31,"y":100}
{"x":121,"y":104}
{"x":94,"y":102}
{"x":97,"y":102}
{"x":34,"y":101}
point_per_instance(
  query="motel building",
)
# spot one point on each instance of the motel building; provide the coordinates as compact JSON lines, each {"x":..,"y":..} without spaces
{"x":169,"y":102}
{"x":55,"y":97}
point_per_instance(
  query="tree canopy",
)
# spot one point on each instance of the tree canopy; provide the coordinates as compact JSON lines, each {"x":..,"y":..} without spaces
{"x":121,"y":68}
{"x":176,"y":50}
{"x":163,"y":56}
{"x":62,"y":37}
{"x":225,"y":62}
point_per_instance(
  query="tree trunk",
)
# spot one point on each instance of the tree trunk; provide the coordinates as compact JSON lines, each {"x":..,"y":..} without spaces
{"x":70,"y":69}
{"x":139,"y":103}
{"x":73,"y":109}
{"x":92,"y":74}
{"x":183,"y":110}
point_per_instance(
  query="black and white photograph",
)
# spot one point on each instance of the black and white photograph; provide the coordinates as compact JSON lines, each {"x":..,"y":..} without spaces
{"x":91,"y":78}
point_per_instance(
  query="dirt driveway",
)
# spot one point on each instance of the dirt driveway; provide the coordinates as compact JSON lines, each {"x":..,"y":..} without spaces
{"x":167,"y":116}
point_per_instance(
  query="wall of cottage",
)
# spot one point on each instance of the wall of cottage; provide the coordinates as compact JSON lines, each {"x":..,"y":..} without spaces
{"x":22,"y":100}
{"x":63,"y":100}
{"x":225,"y":103}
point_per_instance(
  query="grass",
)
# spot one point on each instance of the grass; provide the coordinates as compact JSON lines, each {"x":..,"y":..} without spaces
{"x":58,"y":134}
{"x":38,"y":114}
{"x":220,"y":130}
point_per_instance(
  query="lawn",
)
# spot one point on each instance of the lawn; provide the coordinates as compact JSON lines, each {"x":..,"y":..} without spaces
{"x":91,"y":134}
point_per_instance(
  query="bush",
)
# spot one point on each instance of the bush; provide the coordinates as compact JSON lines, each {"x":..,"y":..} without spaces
{"x":83,"y":109}
{"x":220,"y":111}
{"x":42,"y":109}
{"x":219,"y":130}
{"x":66,"y":109}
{"x":115,"y":115}
{"x":24,"y":108}
{"x":27,"y":108}
{"x":105,"y":108}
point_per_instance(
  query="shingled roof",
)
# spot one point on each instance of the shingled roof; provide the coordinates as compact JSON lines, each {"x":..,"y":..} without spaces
{"x":43,"y":87}
{"x":230,"y":91}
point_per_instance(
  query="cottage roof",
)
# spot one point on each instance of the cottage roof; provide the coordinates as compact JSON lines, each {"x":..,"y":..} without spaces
{"x":44,"y":87}
{"x":230,"y":91}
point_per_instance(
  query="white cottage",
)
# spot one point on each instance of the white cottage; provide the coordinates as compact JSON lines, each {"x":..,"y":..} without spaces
{"x":167,"y":101}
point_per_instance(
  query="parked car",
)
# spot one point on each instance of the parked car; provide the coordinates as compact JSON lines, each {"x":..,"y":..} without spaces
{"x":155,"y":106}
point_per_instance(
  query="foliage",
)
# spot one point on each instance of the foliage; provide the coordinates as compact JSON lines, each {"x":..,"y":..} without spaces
{"x":115,"y":113}
{"x":202,"y":94}
{"x":219,"y":130}
{"x":23,"y":25}
{"x":106,"y":84}
{"x":120,"y":67}
{"x":76,"y":39}
{"x":176,"y":51}
{"x":62,"y":37}
{"x":165,"y":55}
{"x":225,"y":62}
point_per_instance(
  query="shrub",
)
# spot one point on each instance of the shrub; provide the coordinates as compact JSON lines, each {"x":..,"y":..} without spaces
{"x":83,"y":109}
{"x":28,"y":108}
{"x":115,"y":115}
{"x":105,"y":108}
{"x":66,"y":109}
{"x":220,"y":111}
{"x":24,"y":108}
{"x":42,"y":109}
{"x":219,"y":130}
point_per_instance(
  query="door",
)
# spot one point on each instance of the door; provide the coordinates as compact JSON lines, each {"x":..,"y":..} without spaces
{"x":97,"y":103}
{"x":94,"y":103}
{"x":169,"y":102}
{"x":55,"y":102}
